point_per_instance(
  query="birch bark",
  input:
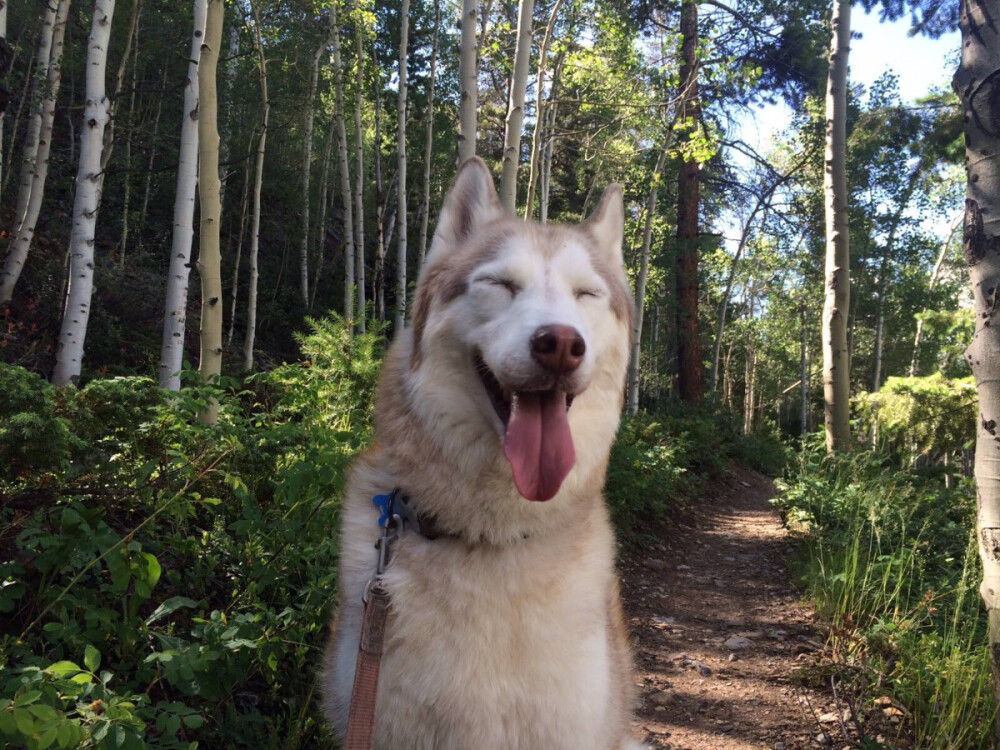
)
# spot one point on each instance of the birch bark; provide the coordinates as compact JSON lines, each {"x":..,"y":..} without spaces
{"x":541,"y":112}
{"x":401,"y":156}
{"x":20,"y":246}
{"x":640,"y":282}
{"x":251,"y":332}
{"x":30,"y":149}
{"x":515,"y":107}
{"x":468,"y":81}
{"x":836,"y":372}
{"x":307,"y":137}
{"x":343,"y":161}
{"x":359,"y":166}
{"x":425,"y":202}
{"x":178,"y":272}
{"x":977,"y":83}
{"x":210,"y":206}
{"x":76,"y":315}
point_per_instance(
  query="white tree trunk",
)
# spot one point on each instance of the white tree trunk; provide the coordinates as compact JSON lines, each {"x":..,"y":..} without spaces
{"x":836,"y":370}
{"x":20,"y":246}
{"x":37,"y":99}
{"x":343,"y":161}
{"x":401,"y":188}
{"x":324,"y":184}
{"x":175,"y":315}
{"x":640,"y":282}
{"x":468,"y":82}
{"x":977,"y":83}
{"x":307,"y":170}
{"x":425,"y":202}
{"x":515,"y":107}
{"x":235,"y":285}
{"x":931,"y":286}
{"x":251,"y":332}
{"x":541,"y":112}
{"x":210,"y":204}
{"x":69,"y":354}
{"x":359,"y":168}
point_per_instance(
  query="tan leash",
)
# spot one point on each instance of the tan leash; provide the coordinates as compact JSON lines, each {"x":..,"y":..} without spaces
{"x":361,"y":715}
{"x":396,"y":515}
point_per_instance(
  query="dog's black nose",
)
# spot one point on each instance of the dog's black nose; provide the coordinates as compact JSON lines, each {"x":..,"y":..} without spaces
{"x":559,"y":349}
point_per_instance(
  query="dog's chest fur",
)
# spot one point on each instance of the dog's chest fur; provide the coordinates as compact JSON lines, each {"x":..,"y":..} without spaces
{"x":491,"y":647}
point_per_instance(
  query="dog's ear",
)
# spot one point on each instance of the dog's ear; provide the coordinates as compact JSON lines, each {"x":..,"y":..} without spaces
{"x":471,"y":202}
{"x":606,"y":225}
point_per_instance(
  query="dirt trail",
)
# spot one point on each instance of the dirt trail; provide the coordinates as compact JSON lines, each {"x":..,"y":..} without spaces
{"x":720,"y":632}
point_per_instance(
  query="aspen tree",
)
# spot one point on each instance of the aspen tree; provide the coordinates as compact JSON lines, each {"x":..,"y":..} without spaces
{"x":20,"y":245}
{"x":515,"y":107}
{"x":342,"y":160}
{"x":324,"y":183}
{"x":468,"y":81}
{"x":378,"y":291}
{"x":179,"y":269}
{"x":401,"y":157}
{"x":836,"y":370}
{"x":359,"y":166}
{"x":251,"y":332}
{"x":307,"y":169}
{"x":978,"y":85}
{"x":36,"y":98}
{"x":425,"y":202}
{"x":541,"y":112}
{"x":210,"y":203}
{"x":76,"y":314}
{"x":640,"y":281}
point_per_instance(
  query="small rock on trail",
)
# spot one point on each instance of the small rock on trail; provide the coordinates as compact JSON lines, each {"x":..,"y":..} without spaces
{"x":719,"y":631}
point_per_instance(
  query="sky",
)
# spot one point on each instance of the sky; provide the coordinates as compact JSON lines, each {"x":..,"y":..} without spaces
{"x":919,"y":62}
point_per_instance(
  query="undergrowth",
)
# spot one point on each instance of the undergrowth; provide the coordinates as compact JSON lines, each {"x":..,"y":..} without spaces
{"x":889,"y":556}
{"x":167,"y":584}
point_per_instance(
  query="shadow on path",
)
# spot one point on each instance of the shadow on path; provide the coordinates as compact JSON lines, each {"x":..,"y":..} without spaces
{"x":720,"y":632}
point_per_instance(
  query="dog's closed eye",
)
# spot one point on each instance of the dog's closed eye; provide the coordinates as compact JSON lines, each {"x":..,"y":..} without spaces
{"x":509,"y":284}
{"x":585,"y":292}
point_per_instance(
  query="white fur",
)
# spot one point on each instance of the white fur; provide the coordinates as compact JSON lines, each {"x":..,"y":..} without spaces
{"x":504,"y":635}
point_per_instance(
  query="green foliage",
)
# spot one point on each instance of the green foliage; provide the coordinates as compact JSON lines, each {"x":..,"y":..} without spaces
{"x":165,"y":583}
{"x":931,"y":415}
{"x":889,"y":558}
{"x":658,"y":459}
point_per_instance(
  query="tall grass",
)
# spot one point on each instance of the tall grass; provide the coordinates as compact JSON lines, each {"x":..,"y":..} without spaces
{"x":889,"y":557}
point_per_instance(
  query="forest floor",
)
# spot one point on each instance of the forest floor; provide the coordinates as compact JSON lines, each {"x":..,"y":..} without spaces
{"x":721,"y":636}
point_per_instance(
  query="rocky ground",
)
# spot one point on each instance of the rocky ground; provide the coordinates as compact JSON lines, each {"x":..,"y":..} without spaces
{"x":722,"y":638}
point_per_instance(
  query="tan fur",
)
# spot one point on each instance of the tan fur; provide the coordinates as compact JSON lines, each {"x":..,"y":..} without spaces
{"x":509,"y":633}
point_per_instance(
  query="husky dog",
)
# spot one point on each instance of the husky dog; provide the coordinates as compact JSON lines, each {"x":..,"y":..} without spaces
{"x":495,"y":416}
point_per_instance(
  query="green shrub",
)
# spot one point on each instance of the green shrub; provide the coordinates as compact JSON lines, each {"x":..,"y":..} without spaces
{"x":889,"y":557}
{"x":164,"y":583}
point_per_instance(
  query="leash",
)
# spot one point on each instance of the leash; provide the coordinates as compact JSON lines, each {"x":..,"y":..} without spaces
{"x":396,"y":516}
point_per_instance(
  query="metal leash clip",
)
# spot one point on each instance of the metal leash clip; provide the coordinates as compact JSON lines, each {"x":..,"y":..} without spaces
{"x":397,"y":513}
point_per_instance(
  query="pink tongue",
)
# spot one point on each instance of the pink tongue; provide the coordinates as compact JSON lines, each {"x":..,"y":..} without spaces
{"x":538,"y":443}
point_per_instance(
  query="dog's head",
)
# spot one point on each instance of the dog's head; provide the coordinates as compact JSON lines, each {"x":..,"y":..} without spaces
{"x":520,"y":334}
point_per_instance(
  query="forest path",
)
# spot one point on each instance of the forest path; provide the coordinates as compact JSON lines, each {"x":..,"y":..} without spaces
{"x":720,"y":632}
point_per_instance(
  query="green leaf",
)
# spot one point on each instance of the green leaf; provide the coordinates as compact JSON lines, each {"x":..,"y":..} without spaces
{"x":151,"y":568}
{"x":62,"y":669}
{"x":193,"y":721}
{"x":27,"y":697}
{"x":92,"y":658}
{"x":25,"y":722}
{"x":170,"y":606}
